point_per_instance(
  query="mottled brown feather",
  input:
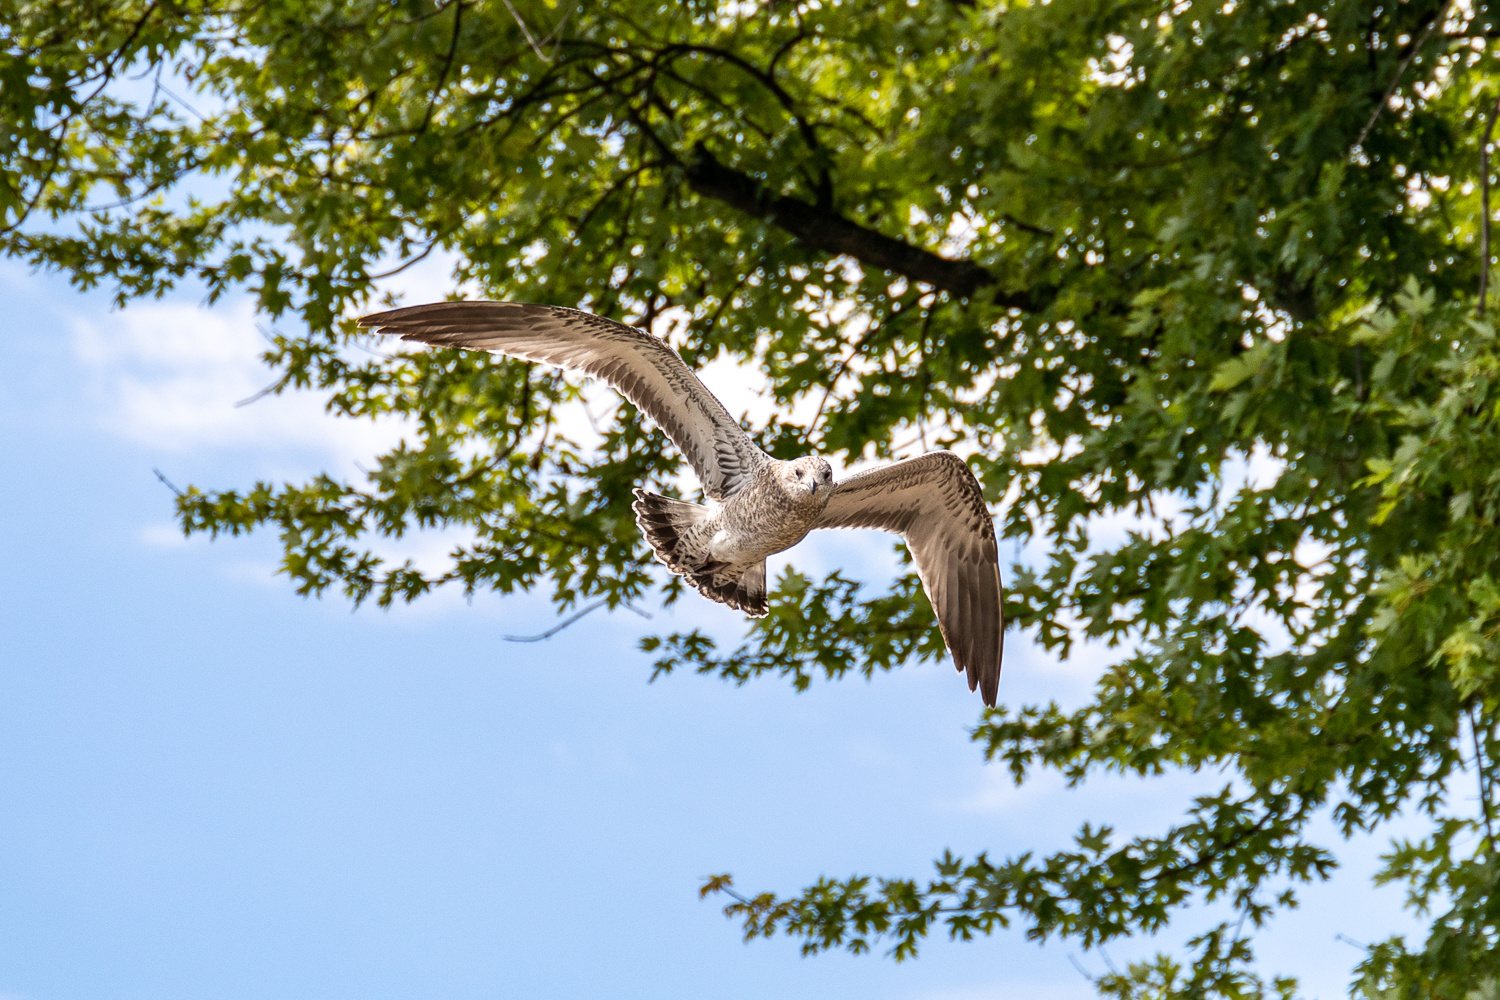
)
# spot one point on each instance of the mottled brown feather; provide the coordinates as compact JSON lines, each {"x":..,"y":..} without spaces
{"x":641,"y":367}
{"x":934,"y":502}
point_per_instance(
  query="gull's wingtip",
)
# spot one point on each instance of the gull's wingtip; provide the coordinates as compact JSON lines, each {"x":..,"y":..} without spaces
{"x":425,"y":321}
{"x":989,"y":688}
{"x":982,"y":671}
{"x":377,"y":321}
{"x":388,"y":318}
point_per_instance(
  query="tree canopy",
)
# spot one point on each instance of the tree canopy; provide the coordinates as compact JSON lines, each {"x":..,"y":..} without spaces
{"x":1109,"y":250}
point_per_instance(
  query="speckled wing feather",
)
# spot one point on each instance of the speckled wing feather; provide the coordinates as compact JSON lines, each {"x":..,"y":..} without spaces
{"x":641,"y":367}
{"x":933,"y":502}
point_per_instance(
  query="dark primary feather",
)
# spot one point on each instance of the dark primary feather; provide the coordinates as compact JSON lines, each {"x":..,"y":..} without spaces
{"x":641,"y":367}
{"x":933,"y":501}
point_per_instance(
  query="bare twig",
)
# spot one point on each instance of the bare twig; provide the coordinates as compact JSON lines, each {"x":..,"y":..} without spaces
{"x":619,"y":182}
{"x":410,"y":262}
{"x":596,"y":422}
{"x":167,"y":482}
{"x":182,"y":101}
{"x":918,"y":438}
{"x":262,"y":394}
{"x":838,"y":373}
{"x":552,"y":35}
{"x":1081,"y":970}
{"x":571,"y":619}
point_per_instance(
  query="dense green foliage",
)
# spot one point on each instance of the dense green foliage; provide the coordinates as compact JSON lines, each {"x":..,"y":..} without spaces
{"x":1107,"y":248}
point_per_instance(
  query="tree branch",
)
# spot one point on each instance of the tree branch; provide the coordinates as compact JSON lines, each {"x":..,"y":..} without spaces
{"x":1416,"y":47}
{"x":825,"y":230}
{"x":437,"y":90}
{"x":1484,"y":206}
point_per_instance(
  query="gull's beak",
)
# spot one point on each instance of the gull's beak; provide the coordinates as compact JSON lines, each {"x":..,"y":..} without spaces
{"x":812,"y":487}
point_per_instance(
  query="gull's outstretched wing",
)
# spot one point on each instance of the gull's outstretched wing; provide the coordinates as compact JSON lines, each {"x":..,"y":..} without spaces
{"x":641,"y":367}
{"x":933,"y":502}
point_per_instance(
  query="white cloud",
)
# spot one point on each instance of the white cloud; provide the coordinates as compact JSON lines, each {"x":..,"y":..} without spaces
{"x":164,"y":536}
{"x":260,"y":573}
{"x":168,"y":376}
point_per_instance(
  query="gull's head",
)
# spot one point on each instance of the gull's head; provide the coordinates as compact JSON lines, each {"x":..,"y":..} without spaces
{"x":807,"y":478}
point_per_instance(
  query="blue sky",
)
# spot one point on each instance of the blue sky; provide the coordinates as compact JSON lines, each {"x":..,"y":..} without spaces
{"x":215,"y":788}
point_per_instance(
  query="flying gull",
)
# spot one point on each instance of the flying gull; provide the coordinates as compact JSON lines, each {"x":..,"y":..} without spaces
{"x":757,"y":505}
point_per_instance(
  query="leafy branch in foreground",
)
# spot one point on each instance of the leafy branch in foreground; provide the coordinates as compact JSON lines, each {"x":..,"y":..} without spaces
{"x":1096,"y":893}
{"x":814,"y":628}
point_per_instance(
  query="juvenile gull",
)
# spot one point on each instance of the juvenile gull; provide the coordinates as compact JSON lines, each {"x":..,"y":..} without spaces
{"x":757,"y":505}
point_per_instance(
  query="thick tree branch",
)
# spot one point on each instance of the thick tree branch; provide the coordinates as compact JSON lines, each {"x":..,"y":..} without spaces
{"x":825,"y":230}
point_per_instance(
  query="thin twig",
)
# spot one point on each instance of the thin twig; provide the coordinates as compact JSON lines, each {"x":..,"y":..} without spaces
{"x":1485,"y":808}
{"x":357,"y":343}
{"x":1484,"y":206}
{"x":610,"y":191}
{"x":571,"y":619}
{"x":595,"y":422}
{"x":1081,"y":970}
{"x":437,"y":90}
{"x":185,"y":105}
{"x":1416,"y":47}
{"x":553,"y":35}
{"x":838,"y":373}
{"x":167,"y":482}
{"x":732,"y":894}
{"x":919,"y":438}
{"x":410,"y":262}
{"x":262,"y":394}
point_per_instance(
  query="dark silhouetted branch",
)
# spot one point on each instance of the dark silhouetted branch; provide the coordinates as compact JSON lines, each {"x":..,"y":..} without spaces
{"x":571,"y":619}
{"x":824,"y":230}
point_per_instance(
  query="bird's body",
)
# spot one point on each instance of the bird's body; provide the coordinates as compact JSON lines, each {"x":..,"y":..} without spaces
{"x":721,"y":546}
{"x":756,"y":505}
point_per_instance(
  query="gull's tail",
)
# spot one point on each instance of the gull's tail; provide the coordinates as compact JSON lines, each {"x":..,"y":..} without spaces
{"x":669,"y":526}
{"x":679,"y":537}
{"x":745,"y":589}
